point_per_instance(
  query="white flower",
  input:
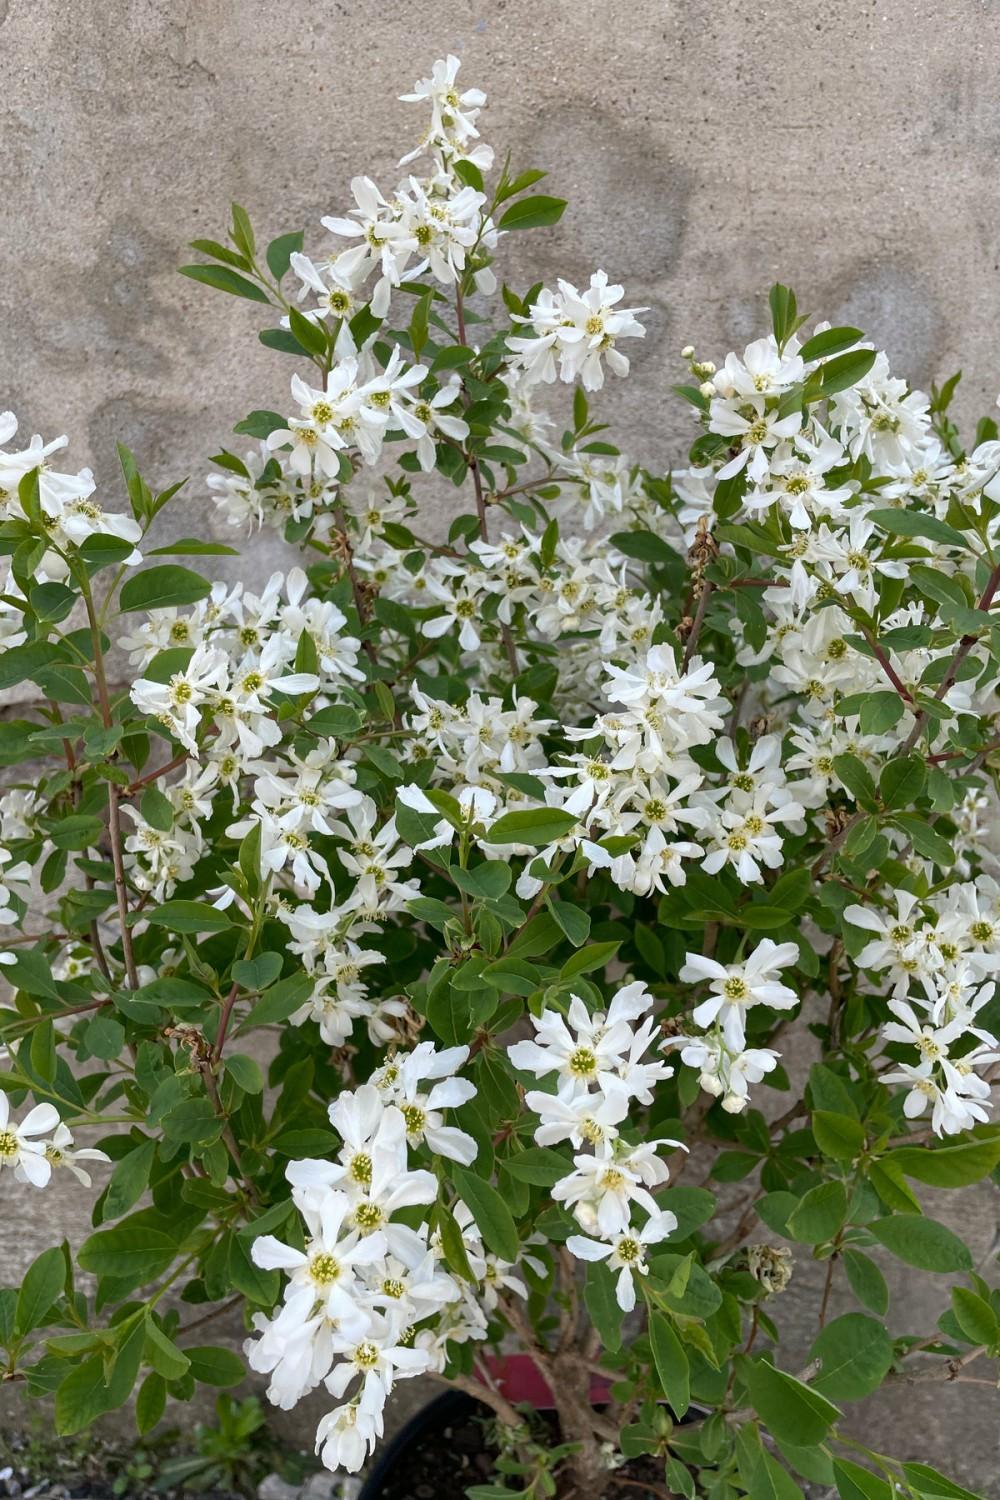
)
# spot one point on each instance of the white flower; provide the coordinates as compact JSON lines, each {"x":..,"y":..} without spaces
{"x":327,"y":1267}
{"x":422,"y":1108}
{"x":178,"y":702}
{"x":736,"y":987}
{"x":758,"y":432}
{"x":20,"y":1146}
{"x":582,"y":327}
{"x":624,"y":1253}
{"x":592,"y":1051}
{"x":725,"y":1072}
{"x":60,"y":1152}
{"x":580,"y":1118}
{"x":347,"y":1435}
{"x":603,"y":1187}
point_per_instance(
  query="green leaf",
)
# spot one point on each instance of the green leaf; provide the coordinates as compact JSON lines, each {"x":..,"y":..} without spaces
{"x":133,"y":1250}
{"x":163,"y":587}
{"x":784,"y":313}
{"x":150,"y":1403}
{"x":188,"y":916}
{"x":838,"y":1136}
{"x":672,"y":1368}
{"x":21,"y":662}
{"x":878,"y":712}
{"x":902,"y":781}
{"x":602,"y":1305}
{"x":129,"y":1180}
{"x":857,"y":778}
{"x":866,"y":1281}
{"x":193,"y":1122}
{"x":538,"y":1165}
{"x":645,"y":546}
{"x":257,"y":973}
{"x":975,"y":1316}
{"x":496,"y":1224}
{"x":926,"y":840}
{"x":846,"y":370}
{"x":337,"y":722}
{"x":488,"y":881}
{"x":452,"y":358}
{"x":830,"y":341}
{"x":533,"y":825}
{"x":157,"y":809}
{"x":855,"y":1483}
{"x":260,"y":424}
{"x":190,"y":546}
{"x":533,"y":212}
{"x":692,"y":1207}
{"x":791,"y":1410}
{"x":769,"y":1481}
{"x":917,"y":523}
{"x":922,"y":1242}
{"x":453,"y":1244}
{"x":820,"y":1214}
{"x":81,"y":1397}
{"x":163,"y":1354}
{"x":947,"y":1166}
{"x":855,"y":1353}
{"x":225,"y":280}
{"x":43,"y":1282}
{"x":574,"y":922}
{"x":311,"y":336}
{"x":214,"y":1366}
{"x":104,"y":1037}
{"x":245,"y":1072}
{"x":594,"y":956}
{"x":934,"y":1485}
{"x":280,"y":251}
{"x":281,"y":1001}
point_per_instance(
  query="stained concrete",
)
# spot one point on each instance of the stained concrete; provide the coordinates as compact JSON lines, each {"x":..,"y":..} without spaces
{"x":707,"y":149}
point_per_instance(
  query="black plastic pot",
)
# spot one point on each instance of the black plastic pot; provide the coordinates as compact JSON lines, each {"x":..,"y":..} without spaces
{"x":439,"y":1454}
{"x":429,"y":1430}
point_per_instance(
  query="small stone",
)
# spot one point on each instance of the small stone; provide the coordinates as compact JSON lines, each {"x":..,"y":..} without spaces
{"x":273,"y":1487}
{"x":322,"y":1486}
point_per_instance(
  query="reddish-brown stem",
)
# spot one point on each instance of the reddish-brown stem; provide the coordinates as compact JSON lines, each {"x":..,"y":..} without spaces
{"x":227,"y":1010}
{"x":114,"y":818}
{"x":699,"y":620}
{"x":151,"y":776}
{"x":340,"y":520}
{"x":888,"y":668}
{"x":477,"y":485}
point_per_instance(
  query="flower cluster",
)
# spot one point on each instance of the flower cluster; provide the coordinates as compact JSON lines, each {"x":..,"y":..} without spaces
{"x":369,"y":1299}
{"x":938,"y":957}
{"x":725,"y":1064}
{"x":597,"y":1063}
{"x":23,"y":1146}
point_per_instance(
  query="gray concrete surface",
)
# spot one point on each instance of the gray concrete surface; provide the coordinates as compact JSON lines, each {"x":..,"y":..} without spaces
{"x":707,"y":150}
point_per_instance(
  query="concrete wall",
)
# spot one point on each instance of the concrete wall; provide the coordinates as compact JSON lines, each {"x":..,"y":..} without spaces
{"x":707,"y":150}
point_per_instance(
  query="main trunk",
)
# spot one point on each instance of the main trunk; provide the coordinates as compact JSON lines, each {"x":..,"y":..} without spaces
{"x":572,"y":1397}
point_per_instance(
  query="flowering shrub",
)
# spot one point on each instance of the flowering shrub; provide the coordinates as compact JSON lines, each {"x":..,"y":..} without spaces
{"x":522,"y":851}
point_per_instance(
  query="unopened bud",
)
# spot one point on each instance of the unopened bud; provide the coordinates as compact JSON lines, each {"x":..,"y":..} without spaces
{"x":704,"y":367}
{"x":707,"y":389}
{"x":688,"y":353}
